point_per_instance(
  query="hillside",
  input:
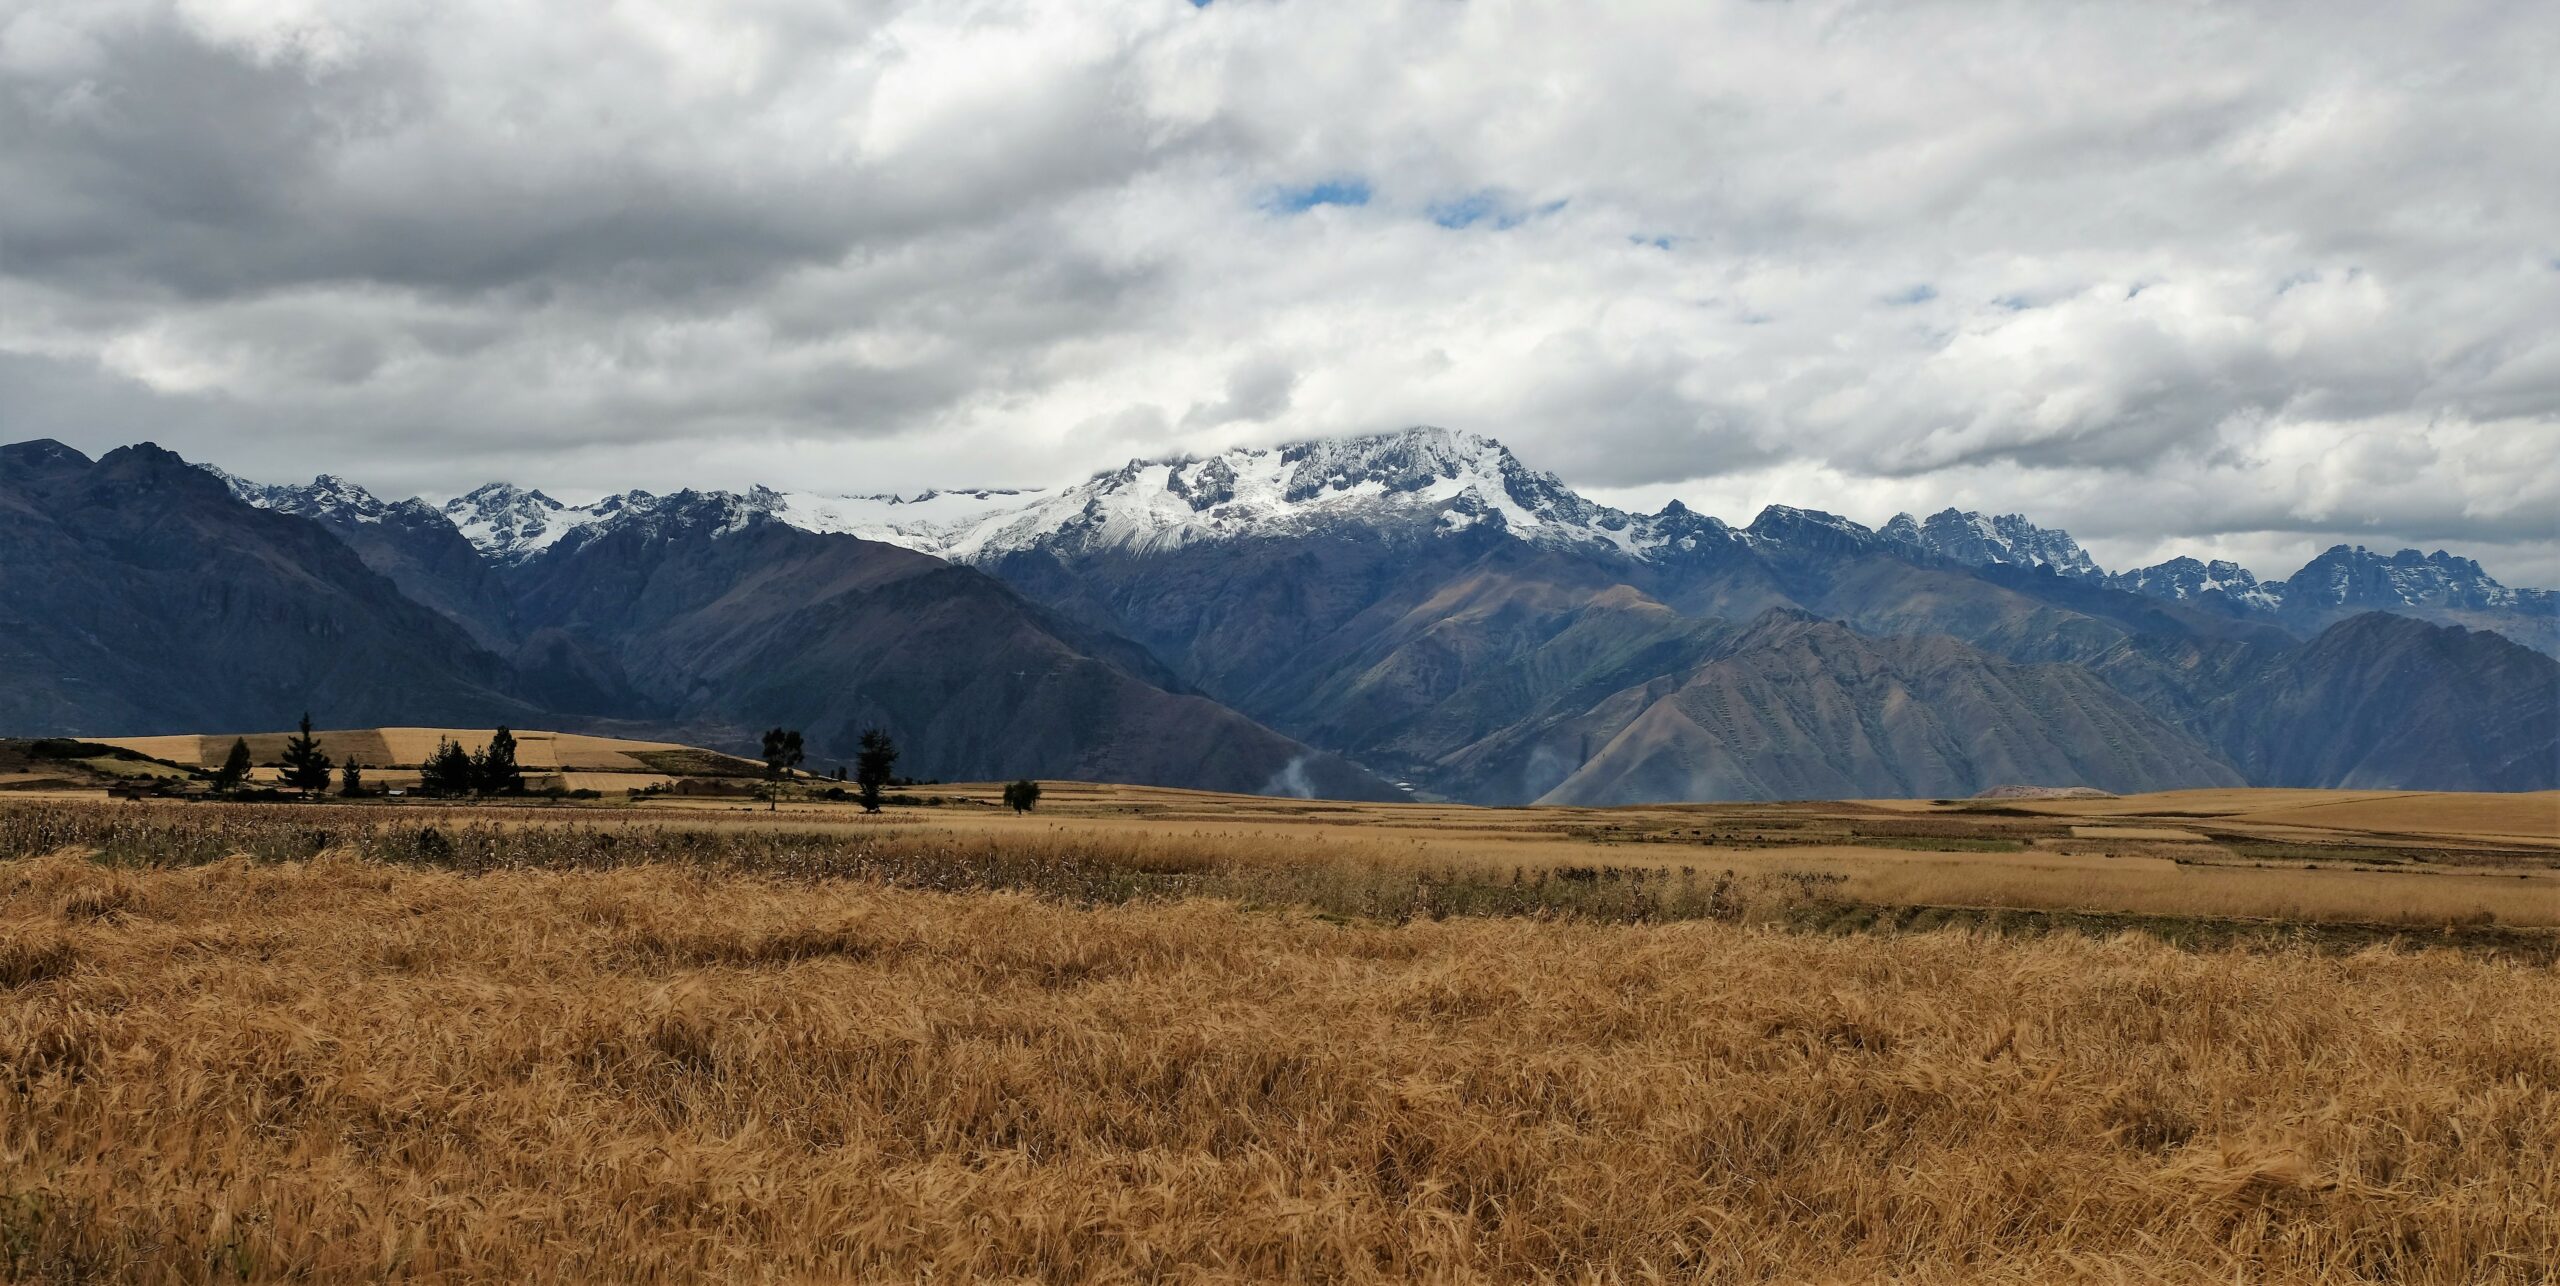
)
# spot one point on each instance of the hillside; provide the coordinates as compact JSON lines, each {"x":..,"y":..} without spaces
{"x":137,"y":596}
{"x":760,"y":623}
{"x":1795,"y":707}
{"x":2384,"y":700}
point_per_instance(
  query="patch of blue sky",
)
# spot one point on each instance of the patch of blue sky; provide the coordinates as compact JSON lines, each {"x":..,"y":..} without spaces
{"x":1914,"y":294}
{"x":1348,"y":191}
{"x":1490,"y":208}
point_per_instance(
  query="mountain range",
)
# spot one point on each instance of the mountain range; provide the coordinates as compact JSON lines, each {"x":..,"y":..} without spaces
{"x":1357,"y":617}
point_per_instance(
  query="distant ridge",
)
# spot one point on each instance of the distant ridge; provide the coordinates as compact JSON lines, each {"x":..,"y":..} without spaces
{"x":1427,"y":481}
{"x":1415,"y":612}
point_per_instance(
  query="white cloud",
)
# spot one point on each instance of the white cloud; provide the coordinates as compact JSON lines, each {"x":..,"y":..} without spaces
{"x":2174,"y":277}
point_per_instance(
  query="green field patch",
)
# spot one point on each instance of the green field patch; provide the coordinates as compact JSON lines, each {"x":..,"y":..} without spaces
{"x":2277,"y":851}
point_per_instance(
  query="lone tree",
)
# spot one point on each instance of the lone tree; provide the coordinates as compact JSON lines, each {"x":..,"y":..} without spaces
{"x":351,"y":780}
{"x":871,"y":767}
{"x":447,"y":772}
{"x":305,"y":768}
{"x":1022,"y":796}
{"x":234,"y":769}
{"x":782,"y":753}
{"x":494,"y":770}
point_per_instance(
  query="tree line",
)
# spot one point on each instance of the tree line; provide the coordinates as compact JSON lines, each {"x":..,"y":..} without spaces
{"x":450,"y":773}
{"x":453,"y":772}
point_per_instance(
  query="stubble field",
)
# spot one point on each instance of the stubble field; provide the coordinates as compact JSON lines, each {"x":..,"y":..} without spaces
{"x":1149,"y":1036}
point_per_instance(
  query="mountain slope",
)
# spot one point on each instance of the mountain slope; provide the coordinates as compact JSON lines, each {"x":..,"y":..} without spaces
{"x":1795,"y":707}
{"x":411,"y":542}
{"x":138,"y":595}
{"x":724,"y":617}
{"x":2380,"y":700}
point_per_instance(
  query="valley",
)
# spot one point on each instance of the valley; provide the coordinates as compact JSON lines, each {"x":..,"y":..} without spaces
{"x":1236,"y":642}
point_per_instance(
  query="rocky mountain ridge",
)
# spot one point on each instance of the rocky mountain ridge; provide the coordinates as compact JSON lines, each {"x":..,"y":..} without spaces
{"x":1428,"y":481}
{"x":1416,"y":607}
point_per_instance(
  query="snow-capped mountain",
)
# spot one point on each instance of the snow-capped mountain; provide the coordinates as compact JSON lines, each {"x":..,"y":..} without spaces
{"x":1785,"y":527}
{"x":1420,"y":480}
{"x":2181,"y":579}
{"x":327,"y":497}
{"x":2354,"y":577}
{"x":1436,"y":477}
{"x":1983,"y":540}
{"x":511,"y":524}
{"x":1428,"y":476}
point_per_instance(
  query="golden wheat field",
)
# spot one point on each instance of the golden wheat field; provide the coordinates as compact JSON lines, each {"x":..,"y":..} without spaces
{"x":253,"y":1044}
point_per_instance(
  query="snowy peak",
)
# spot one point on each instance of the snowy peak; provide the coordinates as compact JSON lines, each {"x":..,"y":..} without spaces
{"x":511,"y":524}
{"x":326,"y":497}
{"x":2187,"y":580}
{"x":1678,"y":531}
{"x":2355,"y":577}
{"x":1422,"y":478}
{"x":1982,"y":541}
{"x":1785,"y":527}
{"x":1413,"y":462}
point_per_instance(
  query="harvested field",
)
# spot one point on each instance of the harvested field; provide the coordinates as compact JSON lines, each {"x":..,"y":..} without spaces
{"x":536,"y":750}
{"x":1769,"y":862}
{"x":477,"y":1063}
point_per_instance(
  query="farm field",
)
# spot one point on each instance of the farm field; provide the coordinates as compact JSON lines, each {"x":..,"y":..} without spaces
{"x":1153,"y":1034}
{"x":2381,"y":858}
{"x":391,"y":756}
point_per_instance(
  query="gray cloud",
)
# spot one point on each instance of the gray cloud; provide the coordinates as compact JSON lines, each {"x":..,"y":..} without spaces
{"x":2230,"y":279}
{"x":1257,"y":390}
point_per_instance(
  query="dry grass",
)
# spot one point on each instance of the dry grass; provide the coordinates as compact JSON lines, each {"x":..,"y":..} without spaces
{"x":343,"y":1069}
{"x":2414,"y":898}
{"x":1360,"y":870}
{"x":2533,"y":815}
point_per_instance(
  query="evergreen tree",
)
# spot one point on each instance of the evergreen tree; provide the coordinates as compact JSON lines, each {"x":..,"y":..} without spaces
{"x":351,"y":780}
{"x":1022,"y":796}
{"x":447,"y":772}
{"x":782,"y":753}
{"x":494,"y":771}
{"x":305,"y":768}
{"x":234,"y":769}
{"x":871,"y":767}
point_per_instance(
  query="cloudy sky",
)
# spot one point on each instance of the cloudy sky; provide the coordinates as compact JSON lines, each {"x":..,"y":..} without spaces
{"x":2234,"y":278}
